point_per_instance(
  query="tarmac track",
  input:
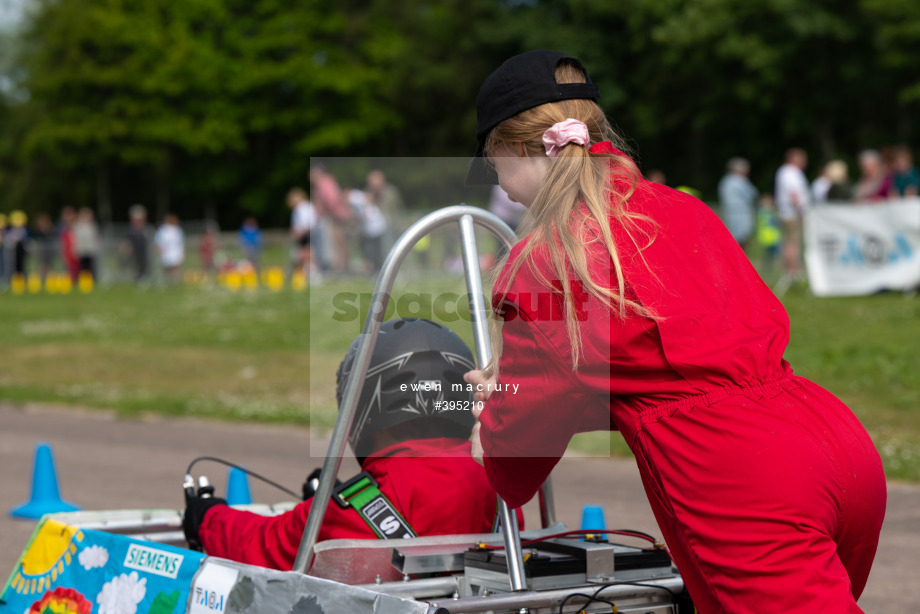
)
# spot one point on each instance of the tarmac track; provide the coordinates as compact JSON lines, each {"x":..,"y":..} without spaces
{"x":108,"y":463}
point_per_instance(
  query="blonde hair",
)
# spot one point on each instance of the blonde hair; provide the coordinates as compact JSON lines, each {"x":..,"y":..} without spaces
{"x":581,"y":194}
{"x":836,"y":171}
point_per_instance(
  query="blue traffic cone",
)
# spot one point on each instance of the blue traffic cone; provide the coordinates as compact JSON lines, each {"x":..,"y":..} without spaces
{"x":238,"y":488}
{"x":45,"y":496}
{"x":592,"y":518}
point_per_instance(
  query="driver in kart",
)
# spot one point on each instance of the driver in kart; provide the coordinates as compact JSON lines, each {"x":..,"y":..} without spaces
{"x":410,"y":434}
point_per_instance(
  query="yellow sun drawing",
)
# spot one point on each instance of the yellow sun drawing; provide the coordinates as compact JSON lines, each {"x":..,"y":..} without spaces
{"x":52,"y":549}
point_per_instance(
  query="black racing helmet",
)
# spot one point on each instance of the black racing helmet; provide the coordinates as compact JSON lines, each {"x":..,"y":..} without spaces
{"x":426,"y":359}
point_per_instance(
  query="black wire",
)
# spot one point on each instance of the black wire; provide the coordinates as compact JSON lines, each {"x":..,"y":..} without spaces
{"x":592,"y":598}
{"x":564,"y":601}
{"x":245,"y":470}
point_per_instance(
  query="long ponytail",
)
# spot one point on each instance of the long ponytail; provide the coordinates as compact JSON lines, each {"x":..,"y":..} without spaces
{"x":581,"y":195}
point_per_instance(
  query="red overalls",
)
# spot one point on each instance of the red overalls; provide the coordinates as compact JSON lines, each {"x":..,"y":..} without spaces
{"x":434,"y":483}
{"x":767,"y":489}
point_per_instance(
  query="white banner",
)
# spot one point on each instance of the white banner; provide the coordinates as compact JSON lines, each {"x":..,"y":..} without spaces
{"x":861,"y":249}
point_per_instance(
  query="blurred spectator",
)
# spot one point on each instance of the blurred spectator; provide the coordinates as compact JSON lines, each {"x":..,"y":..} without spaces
{"x":354,"y":232}
{"x":792,"y":199}
{"x":45,"y":240}
{"x":657,"y":176}
{"x":87,"y":242}
{"x":17,"y":239}
{"x":3,"y":259}
{"x":68,"y":242}
{"x":384,"y":195}
{"x":304,"y":221}
{"x":769,"y":233}
{"x":373,"y":229}
{"x":874,"y":182}
{"x":170,"y":243}
{"x":139,"y":240}
{"x":331,"y":203}
{"x":738,"y":197}
{"x":905,"y":177}
{"x":207,"y":248}
{"x":250,"y":241}
{"x":388,"y":199}
{"x":840,"y":189}
{"x":820,"y":186}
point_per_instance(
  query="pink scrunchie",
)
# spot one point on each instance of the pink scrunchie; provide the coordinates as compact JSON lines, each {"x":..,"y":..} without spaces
{"x":563,"y":133}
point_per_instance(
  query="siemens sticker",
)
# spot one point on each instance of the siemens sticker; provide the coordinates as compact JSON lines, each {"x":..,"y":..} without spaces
{"x":153,"y":561}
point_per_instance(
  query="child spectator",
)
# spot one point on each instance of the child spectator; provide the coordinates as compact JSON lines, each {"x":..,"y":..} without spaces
{"x":17,"y":239}
{"x":68,"y":242}
{"x":138,"y":240}
{"x":769,"y":231}
{"x":87,"y":242}
{"x":170,"y":242}
{"x":207,"y":249}
{"x":45,"y":240}
{"x":304,"y":220}
{"x":250,"y":241}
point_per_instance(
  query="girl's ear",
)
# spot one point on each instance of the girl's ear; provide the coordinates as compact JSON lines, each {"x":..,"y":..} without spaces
{"x":519,"y":150}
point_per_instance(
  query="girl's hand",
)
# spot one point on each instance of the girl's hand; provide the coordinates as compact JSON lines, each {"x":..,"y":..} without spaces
{"x":482,"y":387}
{"x":477,"y":451}
{"x":483,"y":390}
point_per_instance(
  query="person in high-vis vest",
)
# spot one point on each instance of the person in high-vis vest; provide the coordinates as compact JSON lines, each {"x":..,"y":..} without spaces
{"x":411,"y":436}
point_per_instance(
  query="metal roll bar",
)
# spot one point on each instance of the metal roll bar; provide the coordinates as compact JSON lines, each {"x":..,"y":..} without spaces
{"x":467,"y":217}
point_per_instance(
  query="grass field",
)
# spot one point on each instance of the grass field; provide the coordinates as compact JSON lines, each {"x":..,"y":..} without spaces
{"x":272,"y":356}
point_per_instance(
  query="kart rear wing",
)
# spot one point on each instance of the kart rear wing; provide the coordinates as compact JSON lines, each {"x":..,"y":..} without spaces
{"x":467,"y":217}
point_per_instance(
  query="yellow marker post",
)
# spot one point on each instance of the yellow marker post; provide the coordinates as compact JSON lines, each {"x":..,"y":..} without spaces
{"x":18,"y":284}
{"x":233,"y":281}
{"x":250,"y":280}
{"x":299,"y":281}
{"x":34,"y":284}
{"x":85,"y":282}
{"x":274,"y":279}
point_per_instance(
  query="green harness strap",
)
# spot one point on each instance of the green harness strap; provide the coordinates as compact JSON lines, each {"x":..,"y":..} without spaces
{"x":362,"y":494}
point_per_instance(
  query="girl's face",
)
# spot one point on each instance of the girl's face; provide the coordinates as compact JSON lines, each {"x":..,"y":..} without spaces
{"x":519,"y":174}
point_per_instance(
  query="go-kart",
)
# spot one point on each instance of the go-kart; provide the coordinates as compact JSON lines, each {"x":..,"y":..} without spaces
{"x":137,"y":562}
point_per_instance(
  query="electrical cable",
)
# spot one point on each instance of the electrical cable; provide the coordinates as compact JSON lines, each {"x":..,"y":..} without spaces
{"x":245,"y":470}
{"x":626,"y":533}
{"x":592,"y":598}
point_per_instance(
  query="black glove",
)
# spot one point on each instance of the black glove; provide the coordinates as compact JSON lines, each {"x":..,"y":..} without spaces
{"x":312,"y":483}
{"x":195,"y":510}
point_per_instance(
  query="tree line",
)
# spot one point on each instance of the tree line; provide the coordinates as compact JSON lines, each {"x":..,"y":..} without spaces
{"x":213,"y":108}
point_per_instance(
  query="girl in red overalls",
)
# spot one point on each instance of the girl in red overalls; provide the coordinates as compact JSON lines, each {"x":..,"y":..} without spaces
{"x":627,"y":305}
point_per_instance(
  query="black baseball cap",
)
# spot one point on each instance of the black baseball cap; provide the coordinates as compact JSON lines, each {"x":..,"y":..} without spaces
{"x":520,"y":83}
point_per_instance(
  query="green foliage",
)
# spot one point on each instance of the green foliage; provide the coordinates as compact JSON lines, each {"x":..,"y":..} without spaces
{"x":273,"y":356}
{"x":222,"y":102}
